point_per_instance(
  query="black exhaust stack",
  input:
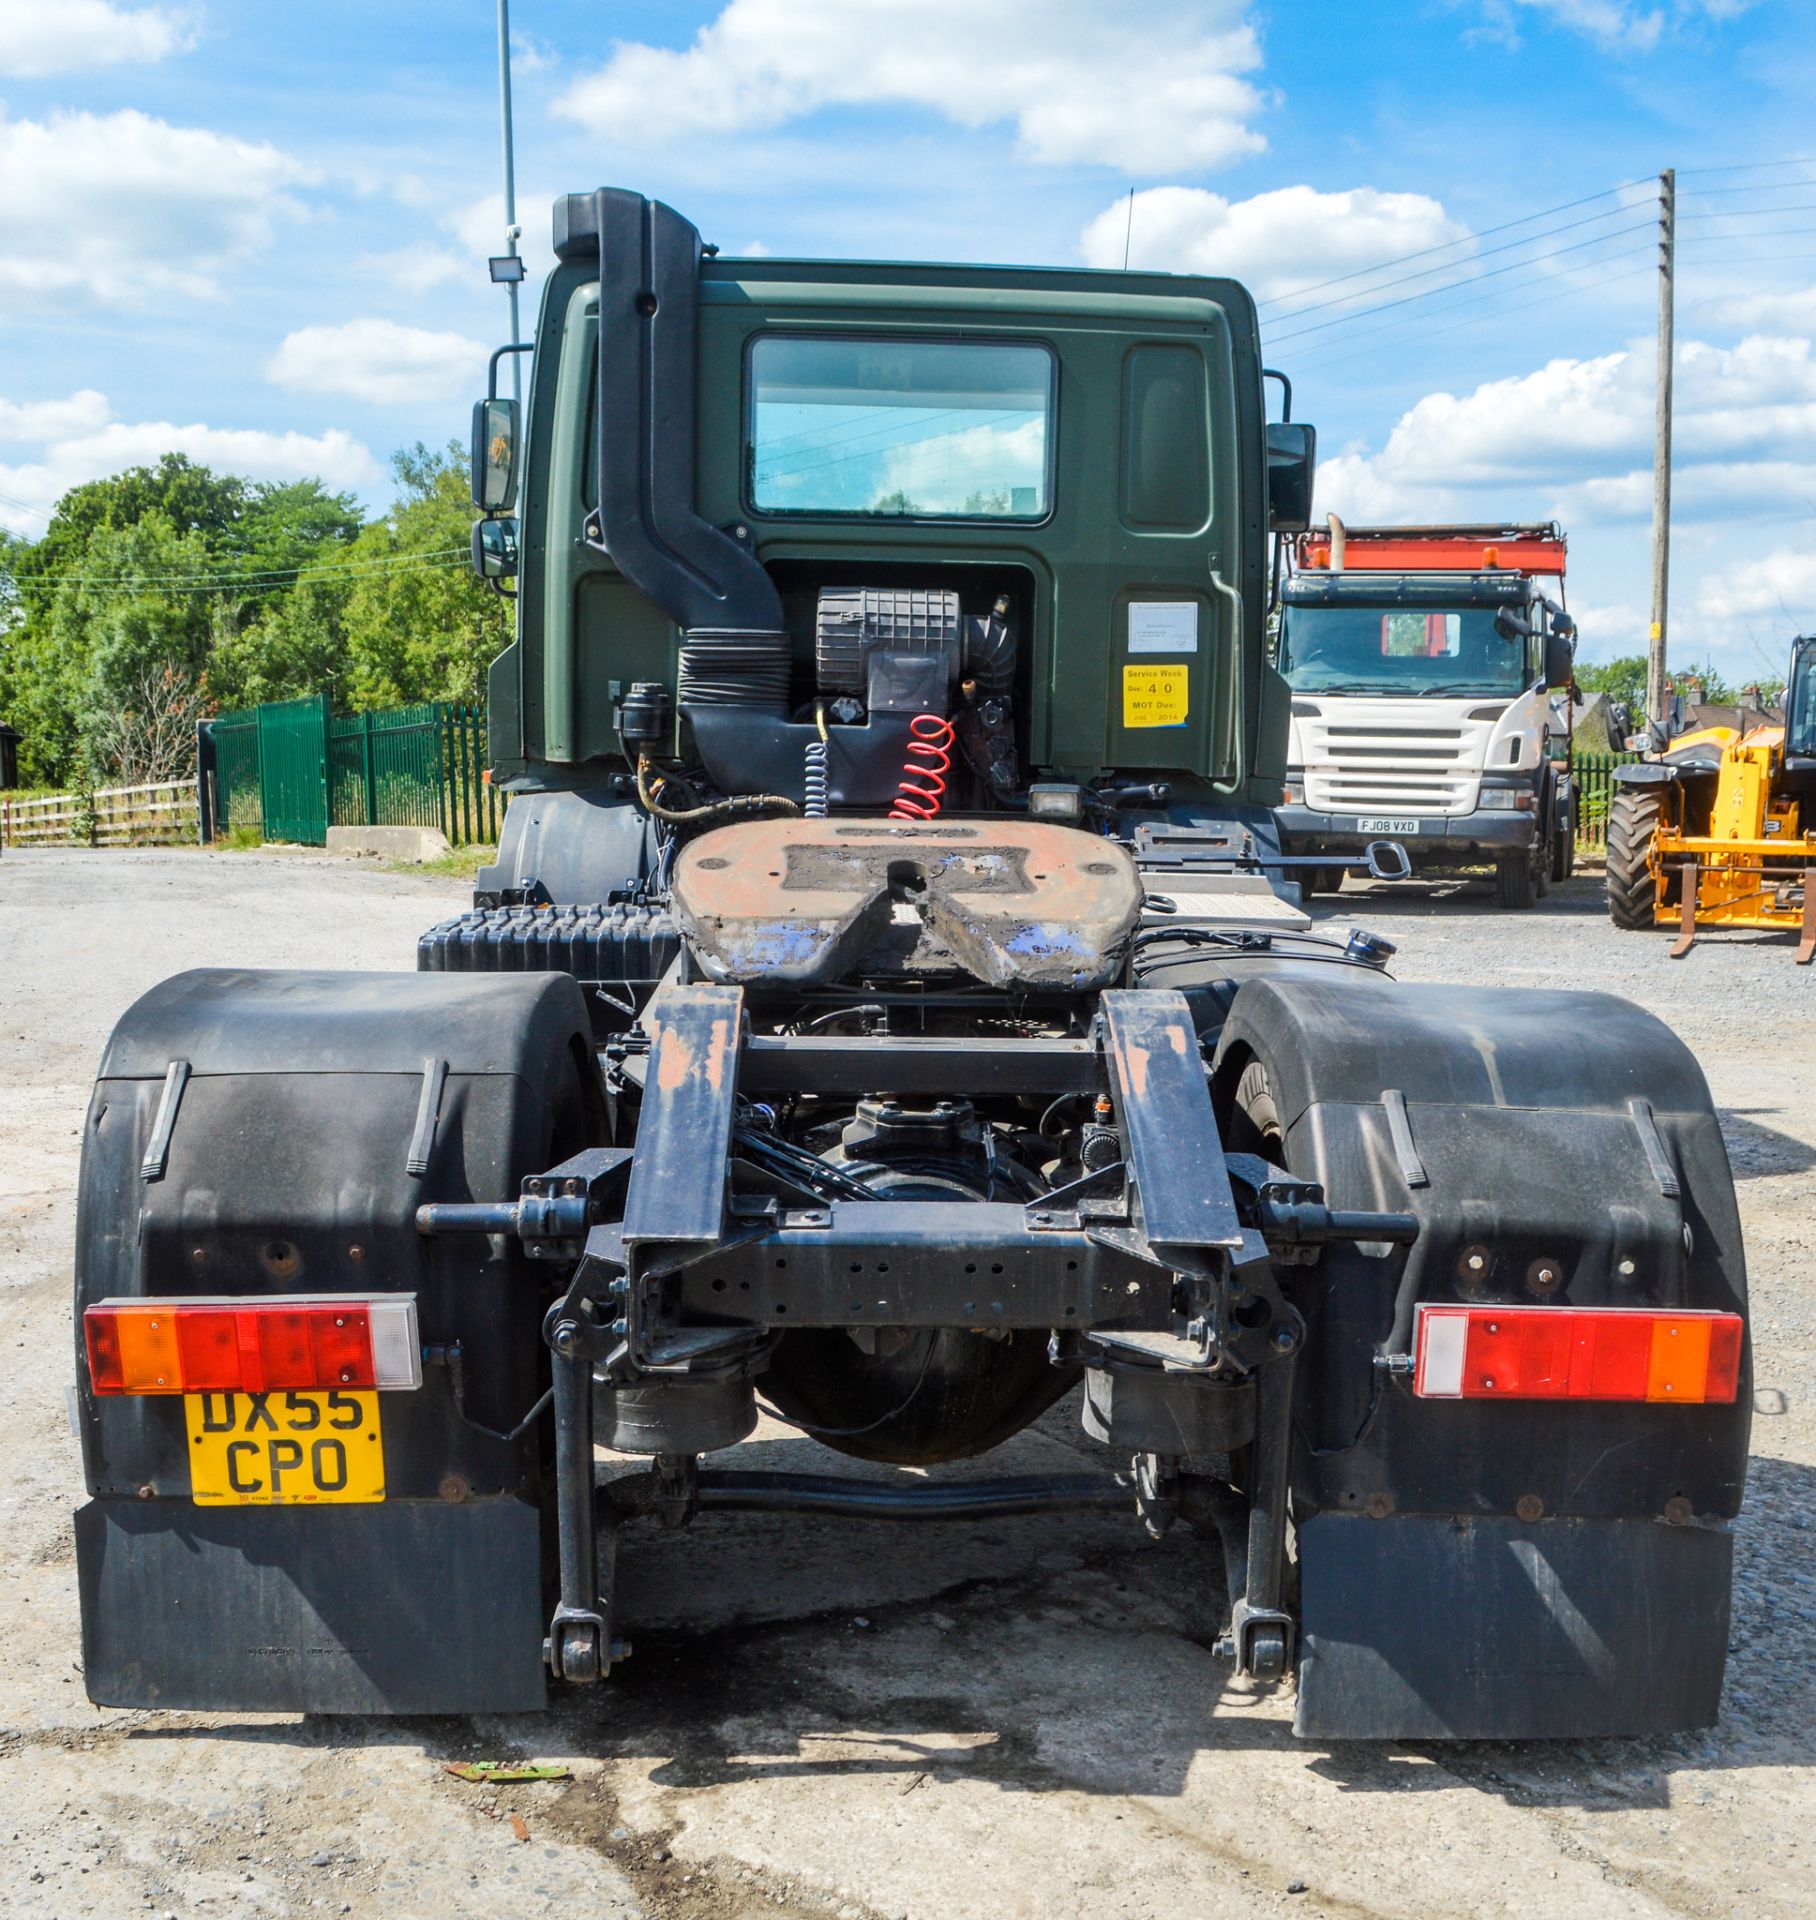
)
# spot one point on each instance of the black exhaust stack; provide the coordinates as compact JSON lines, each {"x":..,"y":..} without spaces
{"x":734,"y":649}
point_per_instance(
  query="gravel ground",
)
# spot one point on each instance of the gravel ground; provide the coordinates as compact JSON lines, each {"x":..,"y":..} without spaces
{"x":978,"y":1723}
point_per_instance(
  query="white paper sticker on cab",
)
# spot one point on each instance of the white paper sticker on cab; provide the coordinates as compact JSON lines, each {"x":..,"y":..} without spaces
{"x":1163,"y":626}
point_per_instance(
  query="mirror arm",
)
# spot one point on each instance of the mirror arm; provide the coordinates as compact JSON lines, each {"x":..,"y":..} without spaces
{"x":1286,"y":393}
{"x":523,"y":346}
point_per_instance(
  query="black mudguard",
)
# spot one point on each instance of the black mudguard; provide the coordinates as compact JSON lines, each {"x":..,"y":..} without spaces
{"x":1531,"y":1133}
{"x":287,"y":1169}
{"x":1647,"y":773}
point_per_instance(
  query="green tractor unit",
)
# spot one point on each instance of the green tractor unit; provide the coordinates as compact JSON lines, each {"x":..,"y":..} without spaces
{"x":889,"y":1008}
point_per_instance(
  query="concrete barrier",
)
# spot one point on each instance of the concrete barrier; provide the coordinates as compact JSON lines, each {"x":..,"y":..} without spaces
{"x":390,"y":843}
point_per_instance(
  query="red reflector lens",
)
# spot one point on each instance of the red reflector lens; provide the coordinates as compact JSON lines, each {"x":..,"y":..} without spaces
{"x":208,"y":1344}
{"x":223,"y":1345}
{"x":284,"y":1350}
{"x":343,"y":1346}
{"x":1563,"y":1353}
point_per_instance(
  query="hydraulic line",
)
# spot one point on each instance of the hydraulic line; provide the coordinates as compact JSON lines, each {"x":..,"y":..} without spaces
{"x":732,"y":809}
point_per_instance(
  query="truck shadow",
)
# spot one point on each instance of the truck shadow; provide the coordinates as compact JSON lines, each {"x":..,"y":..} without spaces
{"x":1381,"y":904}
{"x":1759,"y":1152}
{"x":1466,"y":896}
{"x":1098,"y":1678}
{"x":1083,"y":1668}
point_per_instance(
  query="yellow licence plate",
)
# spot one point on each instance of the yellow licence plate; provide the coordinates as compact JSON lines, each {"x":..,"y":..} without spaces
{"x":284,"y":1449}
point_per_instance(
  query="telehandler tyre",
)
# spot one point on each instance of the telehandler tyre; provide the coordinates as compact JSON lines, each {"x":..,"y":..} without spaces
{"x":1634,"y":816}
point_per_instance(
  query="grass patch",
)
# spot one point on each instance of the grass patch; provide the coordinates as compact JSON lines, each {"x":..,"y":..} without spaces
{"x":240,"y":839}
{"x":462,"y":864}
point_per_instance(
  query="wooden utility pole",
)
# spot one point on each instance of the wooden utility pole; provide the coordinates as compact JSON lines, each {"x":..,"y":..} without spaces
{"x":1661,"y":447}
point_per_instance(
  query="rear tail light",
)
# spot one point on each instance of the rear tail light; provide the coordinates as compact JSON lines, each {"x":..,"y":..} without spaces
{"x":1566,"y":1353}
{"x":216,"y":1345}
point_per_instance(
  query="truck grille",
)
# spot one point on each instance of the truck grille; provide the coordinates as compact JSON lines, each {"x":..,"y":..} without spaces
{"x":1395,"y":765}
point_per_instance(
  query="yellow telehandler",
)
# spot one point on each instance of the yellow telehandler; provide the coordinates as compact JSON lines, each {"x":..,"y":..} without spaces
{"x":1719,"y":830}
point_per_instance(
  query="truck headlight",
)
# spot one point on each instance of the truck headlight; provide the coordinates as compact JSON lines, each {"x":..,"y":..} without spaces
{"x":1293,"y":794}
{"x":1507,"y":799}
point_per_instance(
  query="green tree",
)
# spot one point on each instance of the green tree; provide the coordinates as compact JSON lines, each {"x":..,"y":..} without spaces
{"x":418,"y":624}
{"x":188,"y":497}
{"x":1622,"y":679}
{"x":130,"y":618}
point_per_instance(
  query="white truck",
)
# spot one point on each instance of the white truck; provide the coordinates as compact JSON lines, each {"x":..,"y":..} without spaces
{"x":1420,"y":661}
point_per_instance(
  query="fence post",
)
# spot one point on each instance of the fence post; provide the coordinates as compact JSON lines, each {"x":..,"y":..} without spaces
{"x":467,"y":776}
{"x":442,"y":784}
{"x":365,"y":746}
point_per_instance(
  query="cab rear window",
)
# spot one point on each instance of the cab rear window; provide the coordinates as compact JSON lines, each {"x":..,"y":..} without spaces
{"x":917,"y":429}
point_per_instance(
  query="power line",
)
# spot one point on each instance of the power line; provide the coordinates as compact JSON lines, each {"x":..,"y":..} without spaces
{"x":1316,"y":364}
{"x":1772,"y":257}
{"x":127,"y":592}
{"x":1507,"y":246}
{"x":253,"y":580}
{"x":1716,"y":238}
{"x":1399,"y":260}
{"x":1748,"y":166}
{"x":1456,"y":306}
{"x":1757,"y":186}
{"x":1494,"y":273}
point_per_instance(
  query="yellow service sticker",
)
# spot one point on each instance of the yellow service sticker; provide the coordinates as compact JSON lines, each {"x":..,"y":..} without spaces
{"x":1155,"y":696}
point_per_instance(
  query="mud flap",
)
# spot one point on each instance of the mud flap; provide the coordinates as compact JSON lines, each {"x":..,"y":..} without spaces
{"x":1441,"y":1627}
{"x":412,"y":1606}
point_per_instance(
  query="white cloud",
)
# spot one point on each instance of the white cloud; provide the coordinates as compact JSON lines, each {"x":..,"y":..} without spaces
{"x":1276,"y":242}
{"x":479,"y":227}
{"x":419,"y":268}
{"x":43,"y":37}
{"x":115,"y":207}
{"x":379,"y":361}
{"x":1576,"y":436}
{"x":530,"y":55}
{"x":1779,"y":586}
{"x":1154,"y":89}
{"x":33,"y":422}
{"x":77,"y":439}
{"x":1617,"y":26}
{"x":1791,"y":310}
{"x":1573,"y":440}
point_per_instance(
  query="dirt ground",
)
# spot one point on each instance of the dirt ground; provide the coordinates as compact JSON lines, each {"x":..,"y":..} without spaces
{"x":989,"y":1722}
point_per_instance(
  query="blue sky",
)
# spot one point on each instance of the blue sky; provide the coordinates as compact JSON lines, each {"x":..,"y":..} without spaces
{"x":257,"y":232}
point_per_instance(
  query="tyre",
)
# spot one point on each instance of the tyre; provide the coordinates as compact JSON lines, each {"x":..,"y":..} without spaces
{"x":1315,"y":880}
{"x":1563,"y":830}
{"x":1563,"y":852}
{"x":1634,"y":817}
{"x":1516,"y":881}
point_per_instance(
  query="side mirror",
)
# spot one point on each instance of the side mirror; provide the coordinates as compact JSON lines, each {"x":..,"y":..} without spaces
{"x":494,"y":455}
{"x":495,"y":549}
{"x":1292,"y":458}
{"x":1559,"y":656}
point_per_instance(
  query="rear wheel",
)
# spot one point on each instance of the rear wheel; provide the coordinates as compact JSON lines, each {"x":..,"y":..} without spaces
{"x":1634,"y":817}
{"x":1563,"y":833}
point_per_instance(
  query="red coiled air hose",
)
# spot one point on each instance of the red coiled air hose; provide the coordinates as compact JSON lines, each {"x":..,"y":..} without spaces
{"x":929,"y":757}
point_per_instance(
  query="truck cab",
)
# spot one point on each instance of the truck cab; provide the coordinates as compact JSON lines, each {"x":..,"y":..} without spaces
{"x":1420,"y":661}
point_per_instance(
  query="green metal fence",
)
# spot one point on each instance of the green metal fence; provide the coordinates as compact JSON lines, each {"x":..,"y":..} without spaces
{"x":237,"y":802}
{"x":292,"y":769}
{"x":1594,"y":788}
